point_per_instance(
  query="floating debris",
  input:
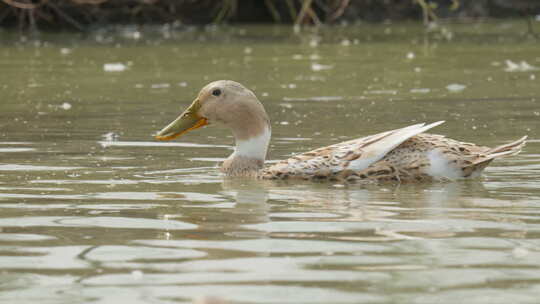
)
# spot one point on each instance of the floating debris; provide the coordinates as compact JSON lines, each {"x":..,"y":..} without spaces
{"x":65,"y":51}
{"x":420,"y":90}
{"x":110,"y":136}
{"x":160,"y":86}
{"x":455,"y":87}
{"x":410,"y":55}
{"x":382,"y":92}
{"x":286,"y":105}
{"x":288,"y":86}
{"x":511,"y":66}
{"x":114,"y":67}
{"x":345,"y":42}
{"x":319,"y":67}
{"x":522,"y":66}
{"x":65,"y":106}
{"x":326,"y":98}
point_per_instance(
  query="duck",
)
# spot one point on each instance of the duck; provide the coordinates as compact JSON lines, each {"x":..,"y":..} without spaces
{"x":407,"y":154}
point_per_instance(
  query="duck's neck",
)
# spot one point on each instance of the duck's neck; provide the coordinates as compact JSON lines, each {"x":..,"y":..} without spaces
{"x":249,"y":154}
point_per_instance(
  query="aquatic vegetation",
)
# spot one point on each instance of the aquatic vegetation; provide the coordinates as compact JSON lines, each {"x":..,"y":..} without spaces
{"x":82,"y":14}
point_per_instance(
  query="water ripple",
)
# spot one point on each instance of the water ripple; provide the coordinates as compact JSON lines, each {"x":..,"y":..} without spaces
{"x":100,"y":222}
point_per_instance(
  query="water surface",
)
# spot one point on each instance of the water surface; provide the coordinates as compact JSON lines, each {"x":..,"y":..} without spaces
{"x":93,"y":210}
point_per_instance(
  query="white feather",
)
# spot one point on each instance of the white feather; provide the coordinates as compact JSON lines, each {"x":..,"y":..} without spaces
{"x":377,"y":150}
{"x":440,"y":168}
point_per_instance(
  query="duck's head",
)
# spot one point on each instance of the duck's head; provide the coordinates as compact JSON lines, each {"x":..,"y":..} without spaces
{"x":222,"y":102}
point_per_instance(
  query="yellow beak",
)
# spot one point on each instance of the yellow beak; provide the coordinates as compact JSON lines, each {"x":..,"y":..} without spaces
{"x":187,"y":121}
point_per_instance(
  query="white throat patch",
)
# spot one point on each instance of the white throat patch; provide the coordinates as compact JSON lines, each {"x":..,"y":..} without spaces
{"x":254,"y":147}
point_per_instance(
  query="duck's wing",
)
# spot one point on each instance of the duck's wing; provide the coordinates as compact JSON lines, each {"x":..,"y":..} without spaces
{"x":356,"y":155}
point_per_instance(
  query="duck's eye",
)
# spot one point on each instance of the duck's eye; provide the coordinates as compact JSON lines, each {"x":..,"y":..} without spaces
{"x":216,"y":92}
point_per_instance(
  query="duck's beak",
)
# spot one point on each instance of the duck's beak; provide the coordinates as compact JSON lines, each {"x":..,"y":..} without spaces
{"x":187,"y":121}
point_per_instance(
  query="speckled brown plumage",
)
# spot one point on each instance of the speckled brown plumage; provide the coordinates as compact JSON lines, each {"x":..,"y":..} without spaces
{"x":408,"y":162}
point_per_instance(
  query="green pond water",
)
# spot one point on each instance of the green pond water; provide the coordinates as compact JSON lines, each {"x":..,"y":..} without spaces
{"x":94,"y":210}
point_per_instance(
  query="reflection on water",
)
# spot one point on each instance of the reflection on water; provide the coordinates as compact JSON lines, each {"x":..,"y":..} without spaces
{"x":93,"y":210}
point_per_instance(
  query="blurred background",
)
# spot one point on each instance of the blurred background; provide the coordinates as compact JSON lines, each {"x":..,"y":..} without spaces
{"x":82,"y":14}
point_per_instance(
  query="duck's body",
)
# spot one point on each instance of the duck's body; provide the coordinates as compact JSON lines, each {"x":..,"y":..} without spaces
{"x":401,"y":155}
{"x":422,"y":157}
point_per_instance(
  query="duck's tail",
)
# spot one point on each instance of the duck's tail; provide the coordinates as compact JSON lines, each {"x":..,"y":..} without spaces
{"x":477,"y":166}
{"x":508,"y":149}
